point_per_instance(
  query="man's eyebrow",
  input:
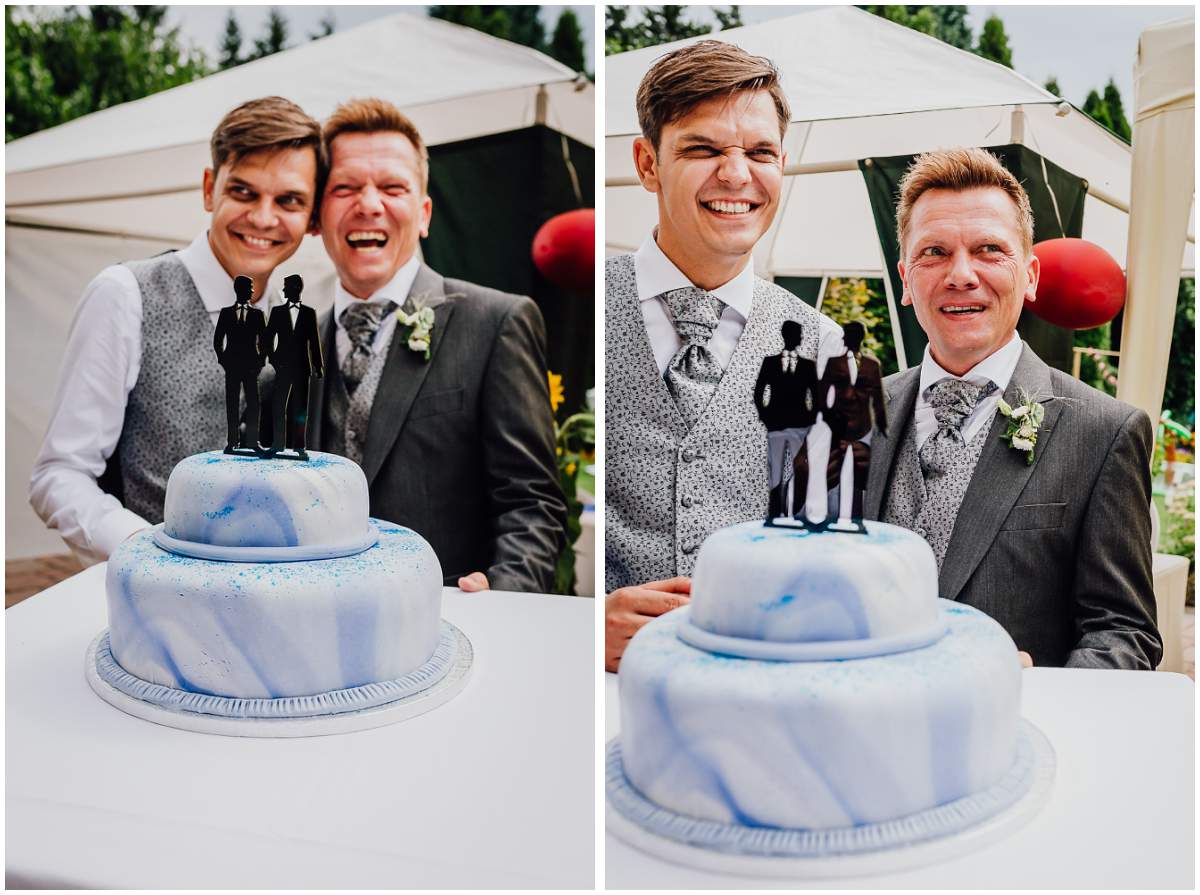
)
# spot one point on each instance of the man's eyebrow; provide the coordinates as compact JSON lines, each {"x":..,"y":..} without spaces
{"x":697,"y":138}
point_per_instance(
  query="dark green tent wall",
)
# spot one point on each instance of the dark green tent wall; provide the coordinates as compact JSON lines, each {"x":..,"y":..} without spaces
{"x":1051,"y":343}
{"x":490,"y":195}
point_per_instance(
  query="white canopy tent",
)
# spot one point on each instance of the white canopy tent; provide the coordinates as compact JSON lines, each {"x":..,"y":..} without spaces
{"x":861,"y":87}
{"x":1164,"y":182}
{"x":125,"y":182}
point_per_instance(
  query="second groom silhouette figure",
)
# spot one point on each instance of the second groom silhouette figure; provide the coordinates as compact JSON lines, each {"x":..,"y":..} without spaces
{"x":294,"y":350}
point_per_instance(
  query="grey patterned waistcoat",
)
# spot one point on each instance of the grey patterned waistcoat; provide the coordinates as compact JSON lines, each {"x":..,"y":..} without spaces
{"x":904,"y":501}
{"x":344,"y":429}
{"x":177,"y":406}
{"x":667,"y":489}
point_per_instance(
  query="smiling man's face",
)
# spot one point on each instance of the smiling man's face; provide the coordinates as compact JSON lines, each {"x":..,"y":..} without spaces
{"x":375,"y":208}
{"x":966,"y":273}
{"x":261,"y":206}
{"x":717,"y":172}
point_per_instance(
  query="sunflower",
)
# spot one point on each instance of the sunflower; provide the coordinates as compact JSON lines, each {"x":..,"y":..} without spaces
{"x":557,"y":396}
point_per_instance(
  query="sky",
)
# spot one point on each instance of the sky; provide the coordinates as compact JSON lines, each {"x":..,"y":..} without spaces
{"x":205,"y":25}
{"x":1082,"y":46}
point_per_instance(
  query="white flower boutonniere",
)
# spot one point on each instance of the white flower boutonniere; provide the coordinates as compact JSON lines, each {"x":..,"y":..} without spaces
{"x":1021,"y":432}
{"x":419,"y":323}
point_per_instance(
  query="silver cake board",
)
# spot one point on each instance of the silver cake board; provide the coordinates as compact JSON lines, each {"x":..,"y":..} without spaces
{"x":867,"y":863}
{"x":449,"y":686}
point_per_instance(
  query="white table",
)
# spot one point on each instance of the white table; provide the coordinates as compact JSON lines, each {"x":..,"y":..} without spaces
{"x":495,"y":789}
{"x":1120,"y":815}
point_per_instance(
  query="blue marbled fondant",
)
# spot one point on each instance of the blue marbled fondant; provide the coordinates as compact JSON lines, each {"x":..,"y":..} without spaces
{"x":839,"y":586}
{"x":818,"y":745}
{"x":274,"y":630}
{"x":229,"y":501}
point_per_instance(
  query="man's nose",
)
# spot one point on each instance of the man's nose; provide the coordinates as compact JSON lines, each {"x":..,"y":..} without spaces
{"x":734,"y":169}
{"x":962,"y":272}
{"x":370,"y":200}
{"x":262,"y":215}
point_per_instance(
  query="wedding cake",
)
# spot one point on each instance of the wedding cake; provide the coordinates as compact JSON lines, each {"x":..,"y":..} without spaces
{"x":269,"y":603}
{"x":817,"y":700}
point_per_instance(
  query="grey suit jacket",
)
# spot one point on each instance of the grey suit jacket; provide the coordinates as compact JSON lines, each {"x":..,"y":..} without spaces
{"x":460,"y":448}
{"x":1057,"y":552}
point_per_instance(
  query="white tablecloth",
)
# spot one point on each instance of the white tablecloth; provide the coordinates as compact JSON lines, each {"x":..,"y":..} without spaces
{"x":1121,"y":813}
{"x":494,"y":789}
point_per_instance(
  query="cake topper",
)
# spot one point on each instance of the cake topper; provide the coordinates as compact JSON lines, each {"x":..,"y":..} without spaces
{"x":294,"y":351}
{"x":241,"y":351}
{"x":819,"y":430}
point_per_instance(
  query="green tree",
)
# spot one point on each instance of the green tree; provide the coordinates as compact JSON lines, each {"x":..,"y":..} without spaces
{"x":520,"y":24}
{"x":993,"y":42}
{"x":658,"y":25}
{"x":61,"y":63}
{"x":1116,"y":111}
{"x":663,"y":24}
{"x":567,"y":43}
{"x":231,"y":44}
{"x":1051,"y":86}
{"x":953,"y":27}
{"x":863,"y":300}
{"x":947,"y":23}
{"x":325,"y":27}
{"x":730,"y":18}
{"x":1097,"y":109}
{"x":1179,"y":396}
{"x":275,"y":37}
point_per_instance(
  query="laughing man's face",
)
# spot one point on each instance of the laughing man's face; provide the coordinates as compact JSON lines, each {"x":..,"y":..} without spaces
{"x":717,"y":172}
{"x":374,"y":210}
{"x":261,"y":206}
{"x":966,"y":273}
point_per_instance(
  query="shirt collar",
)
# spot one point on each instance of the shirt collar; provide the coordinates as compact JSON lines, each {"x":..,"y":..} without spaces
{"x":396,"y":289}
{"x":212,"y":282}
{"x":655,"y":274}
{"x":997,"y":367}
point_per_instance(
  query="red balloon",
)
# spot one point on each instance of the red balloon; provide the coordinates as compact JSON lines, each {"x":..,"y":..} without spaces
{"x":564,"y":250}
{"x":1081,"y":286}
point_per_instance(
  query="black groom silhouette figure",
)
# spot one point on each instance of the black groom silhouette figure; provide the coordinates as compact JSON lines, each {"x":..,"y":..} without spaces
{"x":785,"y":395}
{"x":294,"y":350}
{"x":239,"y":342}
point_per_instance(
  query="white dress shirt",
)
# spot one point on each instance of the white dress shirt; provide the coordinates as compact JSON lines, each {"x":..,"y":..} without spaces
{"x":997,"y":367}
{"x":655,"y":274}
{"x":396,"y":290}
{"x":101,"y":364}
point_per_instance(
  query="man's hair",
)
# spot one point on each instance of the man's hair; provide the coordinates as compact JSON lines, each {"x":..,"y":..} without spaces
{"x":957,"y":170}
{"x":270,"y":123}
{"x":371,"y":115}
{"x":684,"y":78}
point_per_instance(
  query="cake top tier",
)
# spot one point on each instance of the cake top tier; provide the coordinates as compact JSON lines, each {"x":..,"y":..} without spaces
{"x":228,"y":501}
{"x":786,"y":593}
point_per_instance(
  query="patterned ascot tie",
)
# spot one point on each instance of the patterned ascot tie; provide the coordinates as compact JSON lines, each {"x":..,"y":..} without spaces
{"x":693,"y":373}
{"x":361,"y":321}
{"x":952,"y":401}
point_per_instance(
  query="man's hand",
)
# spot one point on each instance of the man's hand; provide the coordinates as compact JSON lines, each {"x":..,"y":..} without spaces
{"x":627,"y":609}
{"x":1026,"y":659}
{"x":473,"y":583}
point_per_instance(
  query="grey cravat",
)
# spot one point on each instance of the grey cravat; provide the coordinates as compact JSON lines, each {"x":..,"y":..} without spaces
{"x":947,"y":461}
{"x":693,"y":373}
{"x":361,"y":322}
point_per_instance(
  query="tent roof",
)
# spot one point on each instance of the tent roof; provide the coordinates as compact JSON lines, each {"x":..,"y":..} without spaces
{"x":841,"y":62}
{"x":862,"y":87}
{"x":429,"y":68}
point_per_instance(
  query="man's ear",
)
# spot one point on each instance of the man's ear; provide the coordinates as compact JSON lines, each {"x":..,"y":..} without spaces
{"x":645,"y":161}
{"x":1034,"y":271}
{"x":905,"y":299}
{"x":210,"y":180}
{"x":426,"y":215}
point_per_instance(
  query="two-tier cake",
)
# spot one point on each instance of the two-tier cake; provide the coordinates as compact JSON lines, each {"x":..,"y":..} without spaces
{"x":268,"y":603}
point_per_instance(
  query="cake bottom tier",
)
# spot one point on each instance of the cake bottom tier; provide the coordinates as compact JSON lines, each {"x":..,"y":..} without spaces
{"x":824,"y":744}
{"x":273,"y":630}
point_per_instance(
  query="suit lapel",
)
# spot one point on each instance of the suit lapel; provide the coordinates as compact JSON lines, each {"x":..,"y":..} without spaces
{"x":404,"y":372}
{"x":991,"y":495}
{"x":901,"y":395}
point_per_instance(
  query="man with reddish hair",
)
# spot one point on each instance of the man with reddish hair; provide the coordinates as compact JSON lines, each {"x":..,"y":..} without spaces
{"x":141,"y":387}
{"x":1032,"y":488}
{"x":437,"y":387}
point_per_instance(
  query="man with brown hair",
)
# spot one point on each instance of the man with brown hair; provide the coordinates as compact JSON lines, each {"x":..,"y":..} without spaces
{"x":687,"y":325}
{"x":1032,"y":489}
{"x":141,"y":387}
{"x":437,"y":387}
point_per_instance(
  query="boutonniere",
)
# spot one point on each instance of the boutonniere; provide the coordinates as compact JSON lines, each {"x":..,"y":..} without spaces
{"x":417,"y":319}
{"x":1021,"y":433}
